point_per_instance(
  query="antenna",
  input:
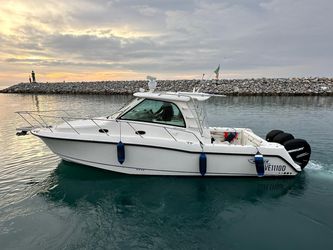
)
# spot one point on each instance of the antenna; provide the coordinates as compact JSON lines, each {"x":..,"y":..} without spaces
{"x":151,"y":83}
{"x":203,"y":80}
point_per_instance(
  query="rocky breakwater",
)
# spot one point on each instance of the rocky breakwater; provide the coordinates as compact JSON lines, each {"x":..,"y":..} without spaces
{"x":260,"y":86}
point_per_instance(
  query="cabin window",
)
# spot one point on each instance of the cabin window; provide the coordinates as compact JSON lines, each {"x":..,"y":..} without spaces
{"x":156,"y":111}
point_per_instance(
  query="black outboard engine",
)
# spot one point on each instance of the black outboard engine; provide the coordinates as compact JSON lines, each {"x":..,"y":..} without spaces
{"x":298,"y":149}
{"x":272,"y":134}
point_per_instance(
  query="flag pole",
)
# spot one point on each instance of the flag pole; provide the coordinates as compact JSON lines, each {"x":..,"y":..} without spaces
{"x":217,"y":72}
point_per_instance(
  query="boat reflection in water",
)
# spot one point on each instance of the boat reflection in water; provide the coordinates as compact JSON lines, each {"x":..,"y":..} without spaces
{"x":73,"y":184}
{"x":110,"y":210}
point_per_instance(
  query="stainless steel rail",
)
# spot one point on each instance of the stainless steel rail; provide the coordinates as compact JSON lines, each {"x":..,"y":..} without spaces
{"x":40,"y":118}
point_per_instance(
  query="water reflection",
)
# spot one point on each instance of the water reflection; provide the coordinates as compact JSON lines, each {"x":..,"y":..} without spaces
{"x":35,"y":100}
{"x":72,"y":206}
{"x":73,"y":184}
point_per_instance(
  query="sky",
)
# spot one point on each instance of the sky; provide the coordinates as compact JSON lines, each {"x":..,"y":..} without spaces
{"x":173,"y":39}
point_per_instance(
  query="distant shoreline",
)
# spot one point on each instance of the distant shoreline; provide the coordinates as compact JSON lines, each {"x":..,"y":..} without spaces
{"x":247,"y":87}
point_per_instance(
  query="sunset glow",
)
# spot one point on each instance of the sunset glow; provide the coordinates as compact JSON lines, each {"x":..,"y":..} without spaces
{"x":123,"y":40}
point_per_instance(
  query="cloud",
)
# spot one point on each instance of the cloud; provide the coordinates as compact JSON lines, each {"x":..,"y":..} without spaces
{"x":168,"y":38}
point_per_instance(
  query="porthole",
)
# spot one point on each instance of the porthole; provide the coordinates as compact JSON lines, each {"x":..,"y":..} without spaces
{"x":103,"y":130}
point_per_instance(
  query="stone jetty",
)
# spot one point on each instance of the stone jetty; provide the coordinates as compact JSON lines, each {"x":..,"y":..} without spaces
{"x":260,"y":86}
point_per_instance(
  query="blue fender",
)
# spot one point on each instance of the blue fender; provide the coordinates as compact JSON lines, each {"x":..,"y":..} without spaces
{"x":203,"y":164}
{"x":260,"y":164}
{"x":121,"y":152}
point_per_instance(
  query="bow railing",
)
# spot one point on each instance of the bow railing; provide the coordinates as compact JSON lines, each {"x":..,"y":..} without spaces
{"x":41,"y":119}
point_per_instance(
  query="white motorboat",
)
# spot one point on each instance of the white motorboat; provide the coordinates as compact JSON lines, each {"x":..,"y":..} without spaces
{"x":167,"y":134}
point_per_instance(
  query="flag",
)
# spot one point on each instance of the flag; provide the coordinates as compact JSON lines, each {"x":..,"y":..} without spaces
{"x":217,"y":72}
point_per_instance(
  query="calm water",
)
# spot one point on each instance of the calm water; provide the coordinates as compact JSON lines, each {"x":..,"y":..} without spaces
{"x":46,"y":203}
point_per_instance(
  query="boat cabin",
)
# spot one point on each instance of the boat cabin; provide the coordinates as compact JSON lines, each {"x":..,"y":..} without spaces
{"x":184,"y":110}
{"x":179,"y":116}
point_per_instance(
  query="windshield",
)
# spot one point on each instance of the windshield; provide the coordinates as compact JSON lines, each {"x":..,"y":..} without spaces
{"x":156,"y":111}
{"x":124,"y":108}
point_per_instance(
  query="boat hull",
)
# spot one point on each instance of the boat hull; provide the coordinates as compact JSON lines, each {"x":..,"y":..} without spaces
{"x":142,"y":159}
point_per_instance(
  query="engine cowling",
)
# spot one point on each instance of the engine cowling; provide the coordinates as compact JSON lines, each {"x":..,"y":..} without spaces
{"x":298,"y":149}
{"x":272,"y":134}
{"x":283,"y":137}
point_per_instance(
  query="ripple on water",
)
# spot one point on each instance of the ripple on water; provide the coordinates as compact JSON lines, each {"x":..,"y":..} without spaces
{"x":20,"y":178}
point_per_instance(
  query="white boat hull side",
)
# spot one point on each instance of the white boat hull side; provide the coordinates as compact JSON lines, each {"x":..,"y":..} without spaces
{"x":150,"y":160}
